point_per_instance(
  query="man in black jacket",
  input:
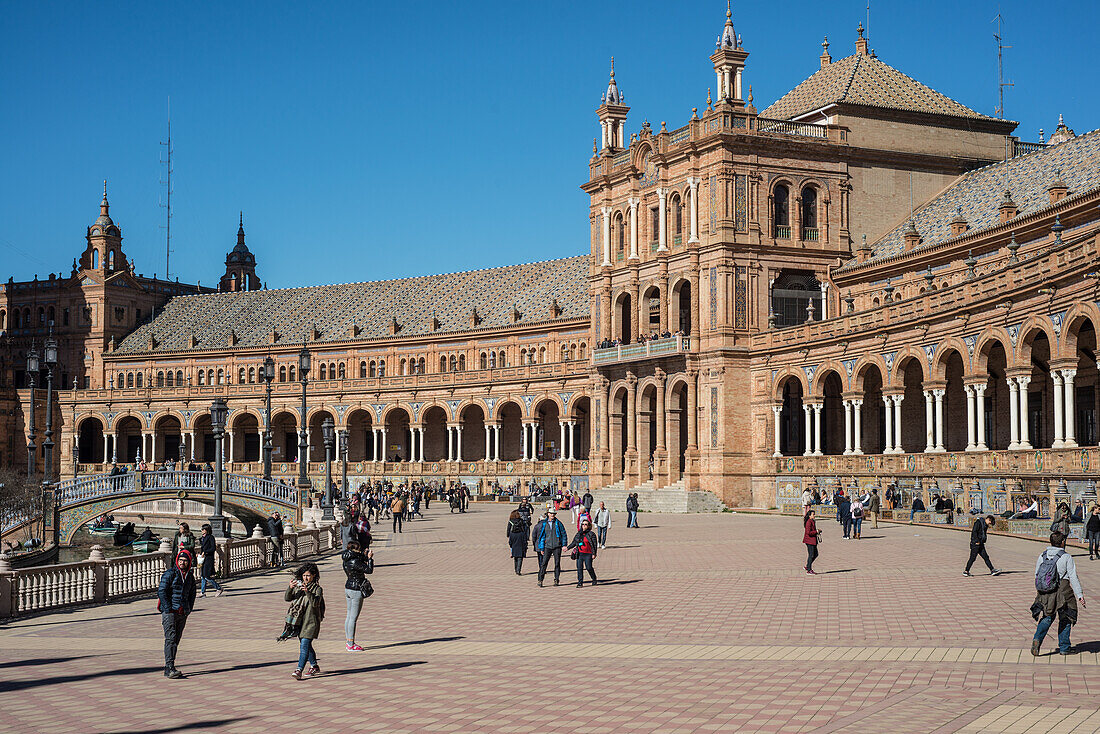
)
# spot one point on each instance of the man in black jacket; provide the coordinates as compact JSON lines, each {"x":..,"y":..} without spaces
{"x":176,"y":595}
{"x":275,"y":531}
{"x":978,"y":535}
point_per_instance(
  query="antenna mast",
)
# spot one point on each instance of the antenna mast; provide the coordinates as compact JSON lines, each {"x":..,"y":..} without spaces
{"x":168,"y":184}
{"x":1001,"y":83}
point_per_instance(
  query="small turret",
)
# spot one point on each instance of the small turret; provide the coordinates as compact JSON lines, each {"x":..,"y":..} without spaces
{"x":612,"y":113}
{"x":240,"y":266}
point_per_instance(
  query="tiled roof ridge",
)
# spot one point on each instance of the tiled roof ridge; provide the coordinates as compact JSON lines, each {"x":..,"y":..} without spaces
{"x":394,"y":280}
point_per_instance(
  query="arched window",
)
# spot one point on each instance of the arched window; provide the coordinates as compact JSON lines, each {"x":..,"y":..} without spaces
{"x":170,"y":379}
{"x":564,"y":352}
{"x":251,"y":375}
{"x":381,"y":368}
{"x":620,"y":237}
{"x":502,"y":359}
{"x":110,"y":259}
{"x":332,"y":370}
{"x":363,"y":369}
{"x":210,"y":377}
{"x":422,"y":366}
{"x":139,"y":380}
{"x":523,"y":356}
{"x":240,"y":376}
{"x":792,"y":293}
{"x":453,"y":363}
{"x":542,"y":355}
{"x":373,"y":369}
{"x":572,"y":351}
{"x":179,"y":378}
{"x":282,"y":373}
{"x":202,"y":377}
{"x":781,"y":212}
{"x":492,"y":360}
{"x":291,"y":372}
{"x":129,"y":379}
{"x":221,"y":376}
{"x":41,"y":316}
{"x":462,"y":363}
{"x":51,"y":316}
{"x":324,"y":372}
{"x":160,"y":379}
{"x":26,"y":318}
{"x":404,"y":367}
{"x":443,"y":363}
{"x":677,"y":207}
{"x":95,"y":259}
{"x":809,"y":214}
{"x":582,"y":349}
{"x":342,"y":371}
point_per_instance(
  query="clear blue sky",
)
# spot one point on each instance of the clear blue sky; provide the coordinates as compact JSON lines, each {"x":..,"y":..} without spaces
{"x":373,"y":140}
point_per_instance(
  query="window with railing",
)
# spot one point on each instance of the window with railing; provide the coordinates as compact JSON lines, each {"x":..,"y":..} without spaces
{"x":810,"y":234}
{"x":781,"y":212}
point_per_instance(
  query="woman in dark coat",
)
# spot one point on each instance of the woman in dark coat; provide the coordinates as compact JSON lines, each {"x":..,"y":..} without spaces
{"x":810,"y":537}
{"x":844,"y":515}
{"x":208,"y":547}
{"x":585,"y":543}
{"x":517,"y":539}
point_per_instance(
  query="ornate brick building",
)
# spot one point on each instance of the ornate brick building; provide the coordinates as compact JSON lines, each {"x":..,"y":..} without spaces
{"x":866,"y":282}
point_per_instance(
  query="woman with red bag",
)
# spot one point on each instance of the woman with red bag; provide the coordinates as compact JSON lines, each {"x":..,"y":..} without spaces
{"x":584,"y":550}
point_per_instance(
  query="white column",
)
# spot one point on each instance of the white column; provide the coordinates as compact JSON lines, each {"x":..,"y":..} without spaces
{"x":693,"y":183}
{"x":817,"y":428}
{"x":420,"y":445}
{"x":383,"y":454}
{"x":979,"y":408}
{"x":561,"y":438}
{"x":939,"y":419}
{"x":888,"y":405}
{"x":523,"y":442}
{"x":496,"y":443}
{"x":488,"y":445}
{"x":662,"y":220}
{"x":458,"y":443}
{"x":1070,"y":411}
{"x":106,"y":453}
{"x":807,"y":411}
{"x":603,"y":134}
{"x":114,"y":448}
{"x":634,"y":228}
{"x":573,"y":440}
{"x":1059,"y":415}
{"x":824,"y":301}
{"x":1013,"y":414}
{"x":1025,"y":443}
{"x":971,"y":444}
{"x":776,"y":411}
{"x":929,"y":423}
{"x":606,"y":236}
{"x":192,"y":441}
{"x":847,"y":427}
{"x":897,"y":424}
{"x":857,"y":433}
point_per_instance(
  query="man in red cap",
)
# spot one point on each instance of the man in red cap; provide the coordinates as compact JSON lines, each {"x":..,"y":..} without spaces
{"x":177,"y":599}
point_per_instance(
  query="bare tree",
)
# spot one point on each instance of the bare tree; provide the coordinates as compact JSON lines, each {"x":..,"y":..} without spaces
{"x":21,"y":503}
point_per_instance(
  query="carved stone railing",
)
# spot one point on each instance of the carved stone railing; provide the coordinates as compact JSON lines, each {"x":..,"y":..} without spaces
{"x":645,"y":350}
{"x":84,"y":488}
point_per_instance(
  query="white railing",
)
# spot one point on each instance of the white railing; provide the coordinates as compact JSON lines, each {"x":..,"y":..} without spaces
{"x":652,"y":348}
{"x":129,"y":575}
{"x":74,"y":491}
{"x":804,"y":129}
{"x":48,"y":587}
{"x":242,"y":484}
{"x":247,"y":555}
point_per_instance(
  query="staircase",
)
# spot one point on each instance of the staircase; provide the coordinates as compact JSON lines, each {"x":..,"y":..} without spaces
{"x":673,"y":498}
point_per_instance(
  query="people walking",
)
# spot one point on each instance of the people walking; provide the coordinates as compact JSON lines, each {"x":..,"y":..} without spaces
{"x":1092,"y":532}
{"x":603,"y":524}
{"x":856,"y":510}
{"x":549,"y":538}
{"x":1058,"y":593}
{"x":844,"y":515}
{"x":584,"y":543}
{"x":397,"y":507}
{"x":873,"y":508}
{"x":175,"y":600}
{"x":811,"y":536}
{"x":208,"y":549}
{"x":588,"y":500}
{"x":307,"y":609}
{"x":275,"y":532}
{"x":184,"y":540}
{"x":632,"y":510}
{"x":1060,"y":521}
{"x":517,"y":540}
{"x":978,"y":536}
{"x":356,"y":565}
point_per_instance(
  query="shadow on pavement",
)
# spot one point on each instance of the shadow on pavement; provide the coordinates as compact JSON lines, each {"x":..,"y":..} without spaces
{"x":838,"y":570}
{"x":242,"y":666}
{"x":24,"y":684}
{"x":374,"y":668}
{"x":1093,"y":646}
{"x":614,"y":582}
{"x":416,"y":642}
{"x":391,"y":565}
{"x":47,"y":661}
{"x":210,"y":724}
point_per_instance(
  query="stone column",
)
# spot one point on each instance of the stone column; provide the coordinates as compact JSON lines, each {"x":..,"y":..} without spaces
{"x":634,"y":228}
{"x":693,"y":183}
{"x":979,"y":409}
{"x":897,"y":424}
{"x":383,"y":453}
{"x":636,"y":320}
{"x":488,"y":444}
{"x":938,"y":395}
{"x":807,"y":418}
{"x":420,"y":445}
{"x":1070,"y":439}
{"x":1025,"y":442}
{"x":572,"y":440}
{"x":817,"y":428}
{"x":631,"y":415}
{"x":523,"y":441}
{"x":888,"y":404}
{"x":971,"y":445}
{"x":458,"y":443}
{"x":605,"y":416}
{"x":776,"y":411}
{"x":1014,"y":414}
{"x":496,"y":442}
{"x":857,"y":434}
{"x":661,"y":447}
{"x":561,"y":438}
{"x":106,"y":452}
{"x":606,"y":227}
{"x":824,"y":301}
{"x":662,"y":220}
{"x":929,"y":424}
{"x":1059,"y":415}
{"x":114,"y":448}
{"x":847,"y":427}
{"x":693,"y":410}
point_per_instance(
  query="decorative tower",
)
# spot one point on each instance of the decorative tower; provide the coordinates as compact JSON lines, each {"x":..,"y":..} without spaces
{"x":104,"y":250}
{"x":240,"y":267}
{"x":612,"y":113}
{"x":729,"y":62}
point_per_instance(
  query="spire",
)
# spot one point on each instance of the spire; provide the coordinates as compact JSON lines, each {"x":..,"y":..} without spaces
{"x":240,"y":230}
{"x":612,"y":95}
{"x":826,"y":59}
{"x":729,"y":35}
{"x":104,"y":207}
{"x":861,"y":42}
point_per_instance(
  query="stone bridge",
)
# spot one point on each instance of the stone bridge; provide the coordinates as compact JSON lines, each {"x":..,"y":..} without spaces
{"x":249,"y":498}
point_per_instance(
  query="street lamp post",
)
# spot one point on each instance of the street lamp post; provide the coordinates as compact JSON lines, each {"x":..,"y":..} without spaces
{"x":344,"y":461}
{"x":218,"y":414}
{"x":47,"y":445}
{"x":303,"y":445}
{"x":32,"y":373}
{"x":327,"y":428}
{"x":268,"y":373}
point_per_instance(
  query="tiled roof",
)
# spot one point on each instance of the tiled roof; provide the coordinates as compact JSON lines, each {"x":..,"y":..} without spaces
{"x":532,"y":288}
{"x":861,"y":79}
{"x":978,"y":194}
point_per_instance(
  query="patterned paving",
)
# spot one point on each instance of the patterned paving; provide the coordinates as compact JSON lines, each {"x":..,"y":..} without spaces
{"x":706,"y":624}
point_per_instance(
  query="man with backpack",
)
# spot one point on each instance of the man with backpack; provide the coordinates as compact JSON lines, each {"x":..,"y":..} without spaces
{"x":978,"y":536}
{"x":1058,"y":592}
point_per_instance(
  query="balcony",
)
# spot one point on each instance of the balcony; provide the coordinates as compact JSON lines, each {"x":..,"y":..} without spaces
{"x":645,"y":350}
{"x":782,"y":232}
{"x":810,"y":234}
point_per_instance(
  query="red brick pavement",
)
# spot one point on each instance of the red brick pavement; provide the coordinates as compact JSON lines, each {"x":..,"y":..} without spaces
{"x":707,"y":624}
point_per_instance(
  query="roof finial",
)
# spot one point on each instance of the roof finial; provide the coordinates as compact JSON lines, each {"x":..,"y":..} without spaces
{"x":729,"y":11}
{"x":612,"y":67}
{"x":859,"y":29}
